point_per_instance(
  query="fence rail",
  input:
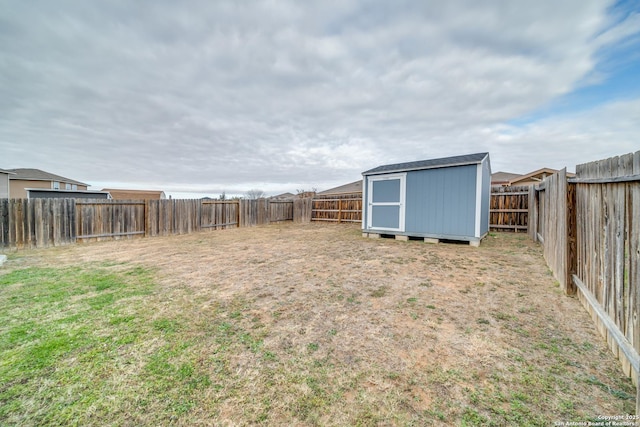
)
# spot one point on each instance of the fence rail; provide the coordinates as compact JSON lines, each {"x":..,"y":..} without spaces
{"x":29,"y":223}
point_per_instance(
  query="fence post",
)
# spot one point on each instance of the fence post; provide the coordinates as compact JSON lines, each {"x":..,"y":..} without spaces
{"x":532,"y":214}
{"x":4,"y":222}
{"x":146,"y":218}
{"x":572,"y":243}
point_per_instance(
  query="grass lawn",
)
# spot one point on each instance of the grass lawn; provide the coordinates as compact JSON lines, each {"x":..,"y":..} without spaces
{"x":297,"y":325}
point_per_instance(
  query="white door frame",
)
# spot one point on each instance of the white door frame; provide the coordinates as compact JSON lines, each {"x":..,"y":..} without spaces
{"x":401,"y":203}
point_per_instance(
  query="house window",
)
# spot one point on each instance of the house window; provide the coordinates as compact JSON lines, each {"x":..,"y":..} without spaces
{"x":56,"y":185}
{"x":67,"y":186}
{"x":74,"y":187}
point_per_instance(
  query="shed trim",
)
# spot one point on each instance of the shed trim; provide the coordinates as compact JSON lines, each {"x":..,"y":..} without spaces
{"x":401,"y":203}
{"x":478,"y":199}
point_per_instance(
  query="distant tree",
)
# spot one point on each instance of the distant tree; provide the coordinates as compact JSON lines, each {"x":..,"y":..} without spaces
{"x":307,"y":193}
{"x":223,"y":196}
{"x":254,"y":194}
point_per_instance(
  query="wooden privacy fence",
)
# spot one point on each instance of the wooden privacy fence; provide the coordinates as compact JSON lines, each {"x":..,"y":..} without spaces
{"x":607,"y":273}
{"x":265,"y":211}
{"x":509,"y":208}
{"x":39,"y":223}
{"x":338,"y":208}
{"x":590,"y":229}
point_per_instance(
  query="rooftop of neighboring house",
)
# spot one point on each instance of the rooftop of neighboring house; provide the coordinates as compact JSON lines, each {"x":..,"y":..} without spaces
{"x":499,"y":178}
{"x":508,"y":178}
{"x":29,"y":174}
{"x":352,"y":187}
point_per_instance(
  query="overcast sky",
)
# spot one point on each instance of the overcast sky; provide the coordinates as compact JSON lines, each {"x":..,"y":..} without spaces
{"x":200,"y":97}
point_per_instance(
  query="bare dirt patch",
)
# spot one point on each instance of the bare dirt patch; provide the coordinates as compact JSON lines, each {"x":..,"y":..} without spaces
{"x":325,"y":327}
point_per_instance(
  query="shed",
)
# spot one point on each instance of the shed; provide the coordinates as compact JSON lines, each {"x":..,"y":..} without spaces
{"x":435,"y":199}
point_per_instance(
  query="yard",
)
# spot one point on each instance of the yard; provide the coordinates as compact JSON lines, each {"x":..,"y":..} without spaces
{"x":297,"y":325}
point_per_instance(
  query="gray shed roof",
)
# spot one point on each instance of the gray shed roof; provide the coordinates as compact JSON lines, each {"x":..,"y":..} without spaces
{"x":467,"y":159}
{"x":40,"y":175}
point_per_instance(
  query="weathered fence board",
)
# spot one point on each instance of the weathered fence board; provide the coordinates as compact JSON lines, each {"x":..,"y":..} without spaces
{"x":219,"y":214}
{"x":302,"y":210}
{"x":555,"y":229}
{"x":30,"y":223}
{"x":106,"y":219}
{"x":280,"y":210}
{"x":4,"y":220}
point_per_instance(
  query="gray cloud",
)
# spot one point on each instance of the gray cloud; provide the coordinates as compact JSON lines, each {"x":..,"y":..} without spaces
{"x":206,"y":96}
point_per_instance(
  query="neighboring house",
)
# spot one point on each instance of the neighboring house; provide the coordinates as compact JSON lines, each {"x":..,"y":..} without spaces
{"x":506,"y":179}
{"x":353,"y":188}
{"x":121,"y":194}
{"x":22,"y":179}
{"x":4,"y":184}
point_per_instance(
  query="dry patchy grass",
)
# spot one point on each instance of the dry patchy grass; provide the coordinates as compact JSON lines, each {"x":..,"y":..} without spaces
{"x":299,"y":325}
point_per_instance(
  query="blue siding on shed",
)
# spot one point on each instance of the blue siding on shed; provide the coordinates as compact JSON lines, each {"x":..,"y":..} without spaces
{"x":442,"y":201}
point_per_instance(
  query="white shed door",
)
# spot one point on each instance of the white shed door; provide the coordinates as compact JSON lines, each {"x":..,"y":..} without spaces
{"x":386,"y":202}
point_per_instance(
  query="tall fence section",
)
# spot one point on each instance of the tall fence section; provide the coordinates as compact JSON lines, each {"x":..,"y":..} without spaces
{"x":589,"y":227}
